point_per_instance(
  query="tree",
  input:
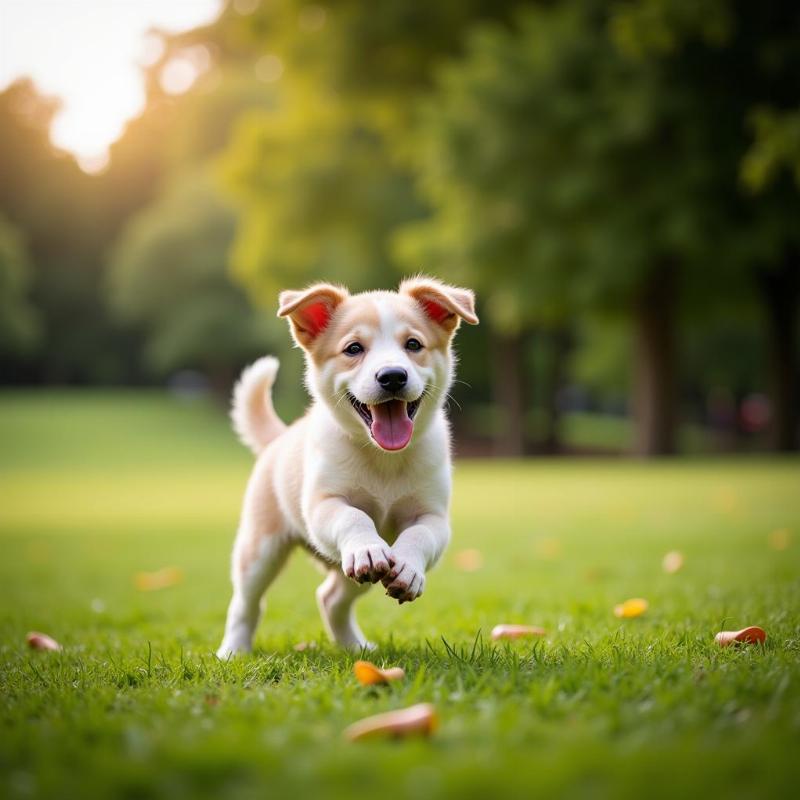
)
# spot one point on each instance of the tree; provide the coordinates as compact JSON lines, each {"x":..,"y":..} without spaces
{"x":57,"y":209}
{"x":579,"y":163}
{"x":770,"y":169}
{"x":751,"y":126}
{"x":325,"y":178}
{"x":169,"y":277}
{"x":19,"y":322}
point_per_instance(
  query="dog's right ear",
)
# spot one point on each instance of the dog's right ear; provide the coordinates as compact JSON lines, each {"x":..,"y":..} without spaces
{"x":310,"y":310}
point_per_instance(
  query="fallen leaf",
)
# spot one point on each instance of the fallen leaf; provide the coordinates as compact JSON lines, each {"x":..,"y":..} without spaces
{"x":634,"y":607}
{"x":673,"y":562}
{"x":548,"y":548}
{"x":418,"y":720}
{"x":596,"y":574}
{"x":780,"y":539}
{"x":300,"y":646}
{"x":469,"y":560}
{"x":751,"y":635}
{"x":41,"y":641}
{"x":160,"y":579}
{"x":368,"y":674}
{"x":516,"y":631}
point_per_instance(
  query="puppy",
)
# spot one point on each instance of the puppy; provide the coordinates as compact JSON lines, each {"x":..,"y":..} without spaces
{"x":362,"y":480}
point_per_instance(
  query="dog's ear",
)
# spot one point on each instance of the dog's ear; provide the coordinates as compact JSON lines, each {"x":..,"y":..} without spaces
{"x":310,"y":310}
{"x":445,"y":305}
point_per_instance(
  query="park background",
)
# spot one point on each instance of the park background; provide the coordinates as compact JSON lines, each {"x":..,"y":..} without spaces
{"x":619,"y":182}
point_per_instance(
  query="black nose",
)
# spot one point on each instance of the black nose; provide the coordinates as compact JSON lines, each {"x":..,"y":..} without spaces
{"x":392,"y":378}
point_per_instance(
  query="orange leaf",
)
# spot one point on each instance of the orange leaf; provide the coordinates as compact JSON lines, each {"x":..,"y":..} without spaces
{"x":673,"y":562}
{"x":419,"y":720}
{"x":751,"y":635}
{"x":160,"y":579}
{"x":516,"y":631}
{"x":41,"y":641}
{"x":368,"y":674}
{"x":470,"y":560}
{"x":780,"y":539}
{"x":634,"y":607}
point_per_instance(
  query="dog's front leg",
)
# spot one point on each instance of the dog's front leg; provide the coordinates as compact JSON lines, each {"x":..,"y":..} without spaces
{"x":341,"y":531}
{"x":414,"y":552}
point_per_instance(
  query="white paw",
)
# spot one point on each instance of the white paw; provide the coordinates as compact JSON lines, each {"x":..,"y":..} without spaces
{"x":229,"y":649}
{"x":367,"y":564}
{"x":405,"y":581}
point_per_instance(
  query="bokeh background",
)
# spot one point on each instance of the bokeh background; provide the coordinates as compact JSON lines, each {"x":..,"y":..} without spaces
{"x":619,"y":183}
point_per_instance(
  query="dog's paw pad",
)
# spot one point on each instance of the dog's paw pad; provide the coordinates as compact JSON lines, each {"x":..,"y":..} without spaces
{"x":404,"y":582}
{"x":367,"y":564}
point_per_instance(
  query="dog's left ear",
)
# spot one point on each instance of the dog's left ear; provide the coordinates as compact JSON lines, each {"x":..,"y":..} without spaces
{"x":445,"y":305}
{"x":310,"y":310}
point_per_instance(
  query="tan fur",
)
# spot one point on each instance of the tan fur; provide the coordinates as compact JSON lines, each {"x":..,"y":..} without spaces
{"x":369,"y":514}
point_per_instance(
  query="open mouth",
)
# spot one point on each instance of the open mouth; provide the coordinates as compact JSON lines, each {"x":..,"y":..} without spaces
{"x":390,"y":423}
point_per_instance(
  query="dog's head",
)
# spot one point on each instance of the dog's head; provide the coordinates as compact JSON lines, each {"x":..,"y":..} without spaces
{"x":380,"y":361}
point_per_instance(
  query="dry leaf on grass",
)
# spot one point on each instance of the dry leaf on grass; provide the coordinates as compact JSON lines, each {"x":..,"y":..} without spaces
{"x":751,"y":635}
{"x":548,"y":548}
{"x":516,"y":631}
{"x":780,"y":539}
{"x":368,"y":674}
{"x":673,"y":562}
{"x":634,"y":607}
{"x":470,"y":560}
{"x":41,"y":641}
{"x":419,"y":720}
{"x":160,"y":579}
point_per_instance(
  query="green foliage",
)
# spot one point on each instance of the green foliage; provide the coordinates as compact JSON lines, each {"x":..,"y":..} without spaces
{"x":776,"y":145}
{"x":169,"y":275}
{"x":323,"y":179}
{"x":549,"y":157}
{"x":58,"y":212}
{"x":318,"y":200}
{"x":137,"y":705}
{"x":642,"y":28}
{"x":19,"y":322}
{"x":561,"y":158}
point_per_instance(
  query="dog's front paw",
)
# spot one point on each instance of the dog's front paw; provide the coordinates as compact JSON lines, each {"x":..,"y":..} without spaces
{"x":233,"y":647}
{"x":367,"y":564}
{"x":405,"y":581}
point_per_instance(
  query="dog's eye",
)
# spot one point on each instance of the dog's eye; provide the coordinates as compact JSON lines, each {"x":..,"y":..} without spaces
{"x":414,"y":345}
{"x":354,"y":349}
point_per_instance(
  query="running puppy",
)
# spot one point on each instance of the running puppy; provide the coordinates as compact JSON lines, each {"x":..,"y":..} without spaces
{"x":362,"y":480}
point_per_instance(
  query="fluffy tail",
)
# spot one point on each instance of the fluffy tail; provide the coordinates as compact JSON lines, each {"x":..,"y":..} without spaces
{"x":254,"y":418}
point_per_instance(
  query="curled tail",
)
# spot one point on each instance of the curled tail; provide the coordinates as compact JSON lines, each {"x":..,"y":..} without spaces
{"x":252,"y":412}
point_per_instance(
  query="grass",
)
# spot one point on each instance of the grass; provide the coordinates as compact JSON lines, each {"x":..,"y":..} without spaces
{"x":95,"y":487}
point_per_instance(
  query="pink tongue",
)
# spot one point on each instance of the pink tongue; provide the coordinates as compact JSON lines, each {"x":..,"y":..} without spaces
{"x":391,"y":427}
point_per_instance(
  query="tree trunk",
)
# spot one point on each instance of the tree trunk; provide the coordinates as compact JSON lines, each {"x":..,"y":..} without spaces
{"x":507,"y":355}
{"x":654,"y":392}
{"x":560,"y":343}
{"x":780,"y":290}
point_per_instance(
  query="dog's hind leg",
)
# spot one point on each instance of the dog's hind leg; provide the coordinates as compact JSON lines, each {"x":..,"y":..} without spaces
{"x":257,"y":560}
{"x":335,"y":598}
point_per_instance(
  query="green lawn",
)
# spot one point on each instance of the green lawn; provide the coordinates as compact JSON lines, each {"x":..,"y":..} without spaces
{"x":95,"y":487}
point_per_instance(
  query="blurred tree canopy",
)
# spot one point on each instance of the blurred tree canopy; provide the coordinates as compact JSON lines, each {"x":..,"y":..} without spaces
{"x":56,"y":209}
{"x":168,"y":276}
{"x":620,"y":183}
{"x":573,"y":160}
{"x":322,"y":177}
